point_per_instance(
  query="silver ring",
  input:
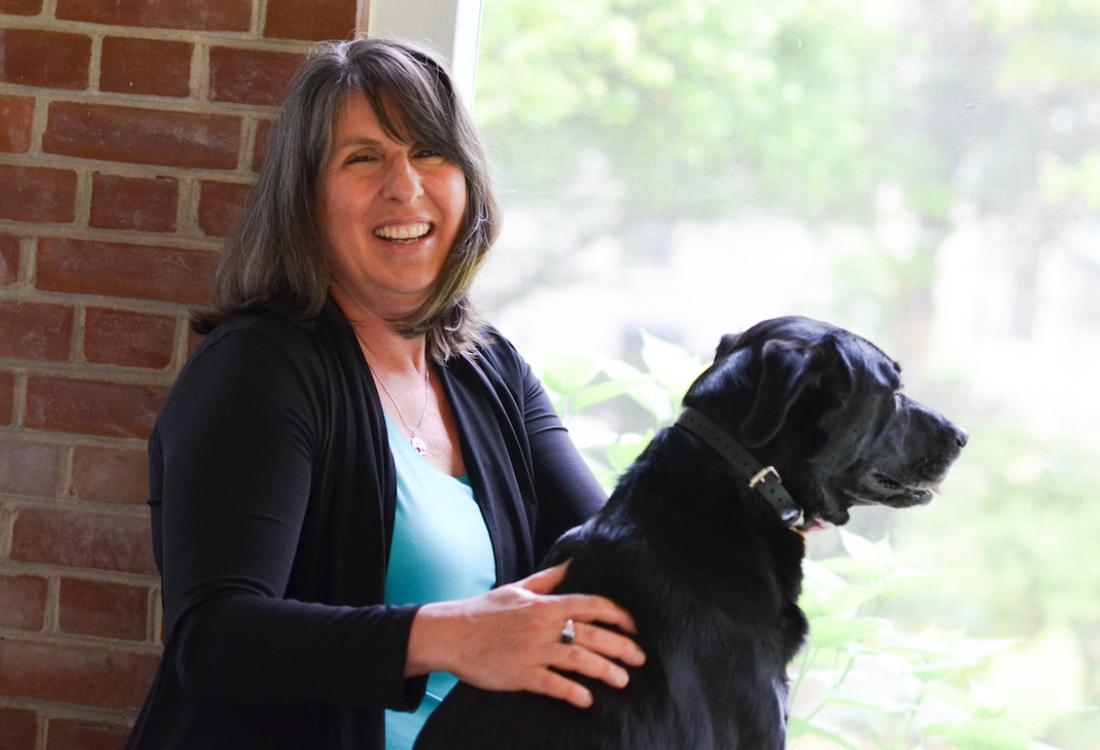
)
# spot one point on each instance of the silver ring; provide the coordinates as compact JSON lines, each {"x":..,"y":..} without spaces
{"x":568,"y":634}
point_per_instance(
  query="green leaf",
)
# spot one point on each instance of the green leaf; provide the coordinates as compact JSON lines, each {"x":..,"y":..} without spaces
{"x":654,"y":400}
{"x":798,"y":727}
{"x":981,"y":734}
{"x":597,"y":393}
{"x":672,"y":366}
{"x":622,"y":453}
{"x":831,"y":632}
{"x":566,"y":373}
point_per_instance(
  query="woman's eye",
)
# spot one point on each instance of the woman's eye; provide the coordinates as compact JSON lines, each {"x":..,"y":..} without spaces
{"x":428,"y":153}
{"x":359,"y":157}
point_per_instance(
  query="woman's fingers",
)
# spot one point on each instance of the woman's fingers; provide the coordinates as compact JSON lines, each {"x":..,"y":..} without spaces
{"x":590,"y":664}
{"x":590,"y":608}
{"x":554,"y":685}
{"x":608,"y":643}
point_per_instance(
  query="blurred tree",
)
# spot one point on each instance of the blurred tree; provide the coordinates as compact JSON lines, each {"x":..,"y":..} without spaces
{"x":619,"y":117}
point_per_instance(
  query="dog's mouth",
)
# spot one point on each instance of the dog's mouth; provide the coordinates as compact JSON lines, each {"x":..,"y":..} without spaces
{"x":889,"y":490}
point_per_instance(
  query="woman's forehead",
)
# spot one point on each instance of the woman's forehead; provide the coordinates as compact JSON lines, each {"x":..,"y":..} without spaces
{"x":357,"y":116}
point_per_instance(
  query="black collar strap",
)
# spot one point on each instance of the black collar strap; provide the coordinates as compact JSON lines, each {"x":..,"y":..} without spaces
{"x":764,"y":480}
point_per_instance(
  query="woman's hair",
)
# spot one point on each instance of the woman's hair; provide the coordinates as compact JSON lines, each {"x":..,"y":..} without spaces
{"x":275,"y":259}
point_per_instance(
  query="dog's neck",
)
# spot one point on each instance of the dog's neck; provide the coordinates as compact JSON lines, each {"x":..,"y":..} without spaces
{"x":764,"y":480}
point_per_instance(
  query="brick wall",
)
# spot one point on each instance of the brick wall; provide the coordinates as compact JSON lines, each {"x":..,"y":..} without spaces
{"x":129,"y":133}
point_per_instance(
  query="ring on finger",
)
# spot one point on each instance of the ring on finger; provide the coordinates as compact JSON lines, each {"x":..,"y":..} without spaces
{"x":568,"y":632}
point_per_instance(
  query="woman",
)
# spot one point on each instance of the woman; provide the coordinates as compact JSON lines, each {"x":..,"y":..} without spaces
{"x":350,"y":441}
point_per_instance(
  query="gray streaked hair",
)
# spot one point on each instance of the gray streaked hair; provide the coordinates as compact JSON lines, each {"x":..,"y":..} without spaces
{"x":275,"y":259}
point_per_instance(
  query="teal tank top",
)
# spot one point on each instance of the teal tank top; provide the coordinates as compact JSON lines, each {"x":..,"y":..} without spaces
{"x":440,"y":551}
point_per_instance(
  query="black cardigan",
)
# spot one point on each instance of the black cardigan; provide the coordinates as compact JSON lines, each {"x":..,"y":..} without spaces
{"x":272,"y":497}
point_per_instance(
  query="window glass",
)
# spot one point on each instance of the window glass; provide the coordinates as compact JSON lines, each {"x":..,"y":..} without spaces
{"x":926,"y":173}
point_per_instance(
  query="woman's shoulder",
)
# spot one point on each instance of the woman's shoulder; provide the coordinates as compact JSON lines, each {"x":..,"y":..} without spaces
{"x":262,"y":349}
{"x":497,"y":352}
{"x":251,"y":326}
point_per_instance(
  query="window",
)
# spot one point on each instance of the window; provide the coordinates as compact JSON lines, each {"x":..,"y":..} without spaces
{"x":924,"y":173}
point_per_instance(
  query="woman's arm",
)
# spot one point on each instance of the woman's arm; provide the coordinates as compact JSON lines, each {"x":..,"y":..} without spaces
{"x":236,"y":443}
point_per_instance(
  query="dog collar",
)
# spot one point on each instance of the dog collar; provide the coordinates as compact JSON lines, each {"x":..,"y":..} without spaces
{"x":765,"y":480}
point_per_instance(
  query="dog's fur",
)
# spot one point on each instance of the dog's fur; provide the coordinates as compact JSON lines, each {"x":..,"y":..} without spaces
{"x":705,"y":566}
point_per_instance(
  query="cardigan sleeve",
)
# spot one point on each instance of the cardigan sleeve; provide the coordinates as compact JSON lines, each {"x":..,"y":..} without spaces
{"x":567,"y":491}
{"x":232,"y":462}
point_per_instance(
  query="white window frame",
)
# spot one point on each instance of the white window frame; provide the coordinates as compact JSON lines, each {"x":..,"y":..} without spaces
{"x":451,"y":27}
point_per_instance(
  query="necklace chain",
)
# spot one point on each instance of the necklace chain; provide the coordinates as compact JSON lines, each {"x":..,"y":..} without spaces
{"x":417,"y":442}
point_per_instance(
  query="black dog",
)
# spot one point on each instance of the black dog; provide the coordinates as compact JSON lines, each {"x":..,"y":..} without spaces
{"x":698,"y":543}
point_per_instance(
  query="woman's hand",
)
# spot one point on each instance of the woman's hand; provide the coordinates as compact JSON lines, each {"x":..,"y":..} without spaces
{"x":509,"y":638}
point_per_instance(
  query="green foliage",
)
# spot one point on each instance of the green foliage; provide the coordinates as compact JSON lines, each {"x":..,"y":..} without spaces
{"x":862,"y":680}
{"x":694,"y":109}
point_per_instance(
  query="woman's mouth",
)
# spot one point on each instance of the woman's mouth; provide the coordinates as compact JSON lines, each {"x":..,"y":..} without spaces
{"x":404,"y":233}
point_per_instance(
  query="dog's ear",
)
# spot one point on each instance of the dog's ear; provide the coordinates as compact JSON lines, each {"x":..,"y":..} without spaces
{"x":726,"y":345}
{"x":784,"y":368}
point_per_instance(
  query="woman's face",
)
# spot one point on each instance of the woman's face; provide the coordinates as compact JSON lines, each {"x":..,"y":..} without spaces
{"x":388,"y":212}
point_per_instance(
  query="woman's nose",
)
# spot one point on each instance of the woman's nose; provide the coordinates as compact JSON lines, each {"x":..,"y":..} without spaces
{"x":402,"y":181}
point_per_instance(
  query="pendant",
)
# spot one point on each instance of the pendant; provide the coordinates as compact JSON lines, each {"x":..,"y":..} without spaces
{"x":419,"y":445}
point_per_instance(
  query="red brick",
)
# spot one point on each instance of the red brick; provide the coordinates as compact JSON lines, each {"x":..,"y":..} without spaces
{"x":37,"y":194}
{"x":9,"y":259}
{"x":92,"y":407}
{"x":220,"y":205}
{"x":145,"y":204}
{"x":110,"y":610}
{"x":145,"y":66}
{"x":18,"y":727}
{"x":29,"y":468}
{"x":86,"y":675}
{"x":20,"y":8}
{"x":44,"y":58}
{"x":110,"y":474}
{"x":22,"y":603}
{"x":31,"y":330}
{"x":16,"y":118}
{"x":142,"y":136}
{"x":120,"y":270}
{"x":119,"y":337}
{"x":251,"y":76}
{"x":198,"y":15}
{"x":259,"y":148}
{"x":66,"y":734}
{"x":7,"y":397}
{"x":82,"y":539}
{"x":314,"y":20}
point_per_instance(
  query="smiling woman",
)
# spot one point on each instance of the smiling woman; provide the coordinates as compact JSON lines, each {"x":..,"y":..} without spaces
{"x":324,"y":558}
{"x":389,"y":213}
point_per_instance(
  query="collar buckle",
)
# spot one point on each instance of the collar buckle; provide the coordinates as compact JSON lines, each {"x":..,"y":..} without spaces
{"x":762,"y":476}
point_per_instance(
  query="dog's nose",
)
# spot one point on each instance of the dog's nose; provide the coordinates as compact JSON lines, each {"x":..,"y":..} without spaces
{"x":958,"y":436}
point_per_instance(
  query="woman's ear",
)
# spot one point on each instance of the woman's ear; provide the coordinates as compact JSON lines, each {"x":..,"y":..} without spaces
{"x":784,"y":374}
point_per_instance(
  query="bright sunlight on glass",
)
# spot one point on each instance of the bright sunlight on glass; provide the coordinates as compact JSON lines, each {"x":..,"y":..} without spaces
{"x":926,"y":173}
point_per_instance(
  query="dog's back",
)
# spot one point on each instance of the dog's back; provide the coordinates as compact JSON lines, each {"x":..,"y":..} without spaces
{"x":715,"y":616}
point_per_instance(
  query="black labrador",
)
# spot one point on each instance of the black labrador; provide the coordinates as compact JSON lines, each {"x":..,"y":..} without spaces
{"x":794,"y":422}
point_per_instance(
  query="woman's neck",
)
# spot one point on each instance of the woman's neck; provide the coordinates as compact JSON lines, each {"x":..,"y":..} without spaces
{"x":384,"y":348}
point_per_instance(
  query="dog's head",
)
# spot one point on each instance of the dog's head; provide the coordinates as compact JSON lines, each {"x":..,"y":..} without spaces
{"x":826,"y":408}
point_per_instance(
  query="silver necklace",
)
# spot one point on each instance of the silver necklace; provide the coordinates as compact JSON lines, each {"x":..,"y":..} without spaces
{"x":417,"y":442}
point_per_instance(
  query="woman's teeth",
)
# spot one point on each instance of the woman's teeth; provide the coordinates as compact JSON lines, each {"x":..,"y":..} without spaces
{"x":403,"y":231}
